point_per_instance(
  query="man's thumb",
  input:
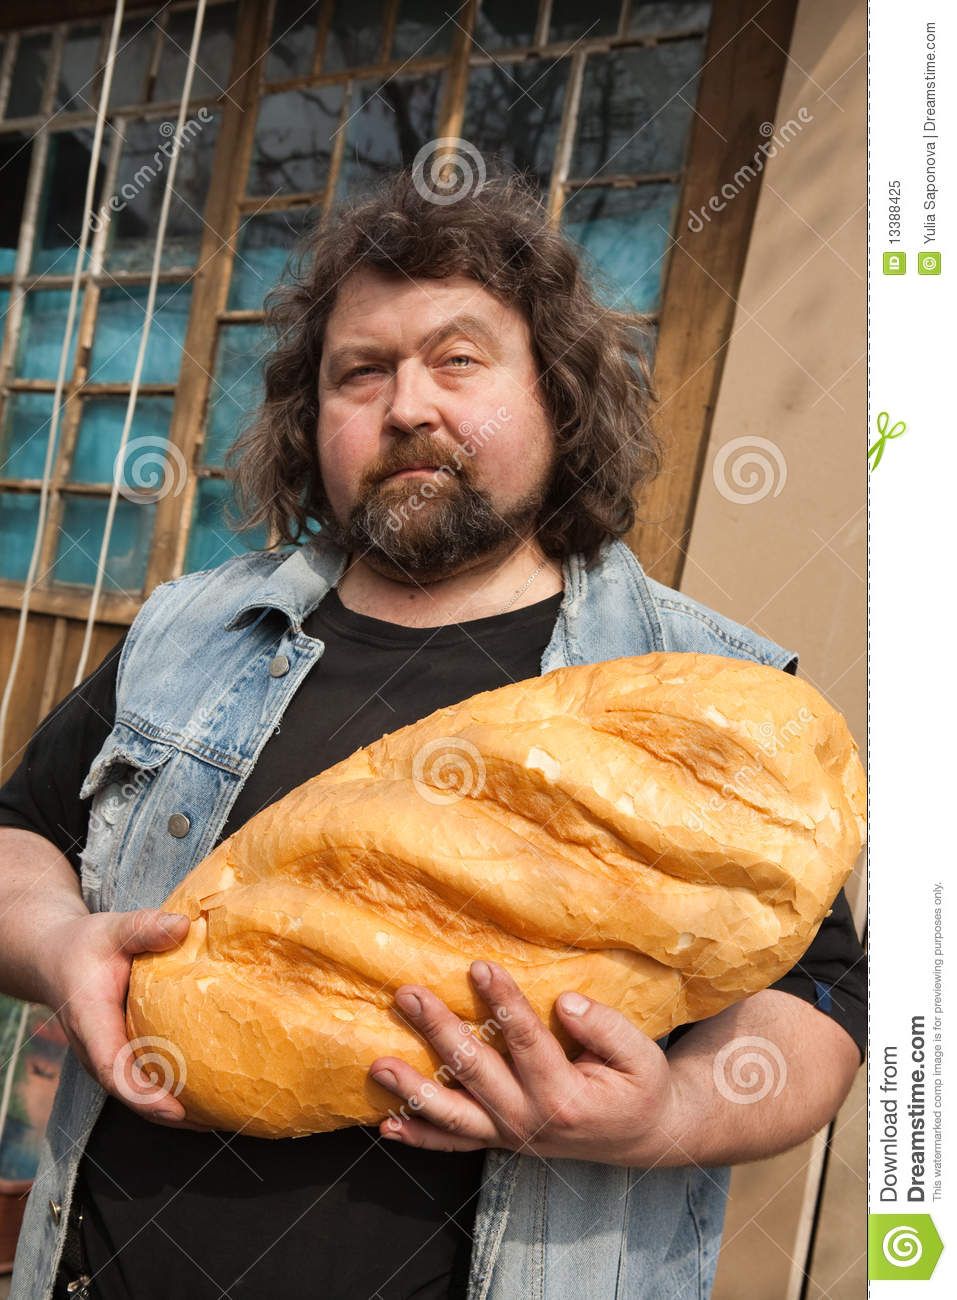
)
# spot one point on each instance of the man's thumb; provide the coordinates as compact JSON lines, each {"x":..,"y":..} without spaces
{"x":151,"y":930}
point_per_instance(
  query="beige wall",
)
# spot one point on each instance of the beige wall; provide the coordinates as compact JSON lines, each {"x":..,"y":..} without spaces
{"x":793,"y":565}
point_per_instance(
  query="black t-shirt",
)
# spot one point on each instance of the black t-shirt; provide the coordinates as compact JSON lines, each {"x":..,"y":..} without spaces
{"x":339,"y":1214}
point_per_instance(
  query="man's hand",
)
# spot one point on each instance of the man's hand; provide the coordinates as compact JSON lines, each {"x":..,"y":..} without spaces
{"x":85,"y":975}
{"x":617,"y":1103}
{"x":622,"y":1101}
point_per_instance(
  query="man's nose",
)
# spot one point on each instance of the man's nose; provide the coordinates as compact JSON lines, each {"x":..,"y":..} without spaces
{"x":411,"y":405}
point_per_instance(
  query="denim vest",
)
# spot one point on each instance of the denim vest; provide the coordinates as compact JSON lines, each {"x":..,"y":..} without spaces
{"x":195,"y":704}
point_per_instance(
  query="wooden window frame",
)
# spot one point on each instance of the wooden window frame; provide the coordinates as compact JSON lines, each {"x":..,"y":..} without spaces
{"x":699,"y":288}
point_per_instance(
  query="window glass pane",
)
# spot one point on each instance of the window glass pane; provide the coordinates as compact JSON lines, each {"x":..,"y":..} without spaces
{"x":42,"y":332}
{"x":26,"y":427}
{"x":293,"y":141}
{"x":61,"y":212}
{"x":133,"y":53}
{"x":15,"y":151}
{"x":81,"y":535}
{"x":98,"y":440}
{"x":29,"y":75}
{"x":627,"y":234}
{"x":236,"y":386}
{"x":354,"y":38}
{"x":19,"y":512}
{"x":293,"y":39}
{"x":75,"y":89}
{"x":211,"y":74}
{"x":572,"y":20}
{"x":424,"y":27}
{"x":636,"y":108}
{"x":262,"y":253}
{"x":673,"y":16}
{"x":514,"y":111}
{"x":390,"y":123}
{"x":502,"y":24}
{"x":117,"y":339}
{"x":133,"y":209}
{"x":211,"y":541}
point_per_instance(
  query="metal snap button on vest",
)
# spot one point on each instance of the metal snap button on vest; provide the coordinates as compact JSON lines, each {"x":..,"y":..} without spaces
{"x":178,"y":825}
{"x":55,"y":1208}
{"x":279,"y":666}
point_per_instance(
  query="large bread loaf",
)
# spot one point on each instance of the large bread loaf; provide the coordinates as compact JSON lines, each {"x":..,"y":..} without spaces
{"x":664,"y":833}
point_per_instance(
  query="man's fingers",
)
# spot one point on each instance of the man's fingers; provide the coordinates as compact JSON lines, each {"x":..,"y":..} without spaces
{"x":473,"y":1063}
{"x":148,"y":930}
{"x":608,"y":1035}
{"x":535,"y":1051}
{"x":453,"y":1110}
{"x":419,"y":1133}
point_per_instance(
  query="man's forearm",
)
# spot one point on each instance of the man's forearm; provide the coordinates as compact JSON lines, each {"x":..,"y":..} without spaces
{"x":37,"y":888}
{"x":759,"y":1078}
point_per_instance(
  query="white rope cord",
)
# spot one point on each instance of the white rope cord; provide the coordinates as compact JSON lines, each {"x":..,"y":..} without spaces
{"x":101,"y":113}
{"x":144,"y":339}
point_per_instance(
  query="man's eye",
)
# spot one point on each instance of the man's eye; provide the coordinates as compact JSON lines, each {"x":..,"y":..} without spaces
{"x":460,"y":357}
{"x":358,"y":372}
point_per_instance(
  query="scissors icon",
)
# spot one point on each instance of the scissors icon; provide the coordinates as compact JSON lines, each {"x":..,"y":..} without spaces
{"x":887,"y":432}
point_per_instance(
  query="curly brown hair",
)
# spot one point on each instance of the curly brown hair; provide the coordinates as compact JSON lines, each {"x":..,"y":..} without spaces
{"x":592,"y":360}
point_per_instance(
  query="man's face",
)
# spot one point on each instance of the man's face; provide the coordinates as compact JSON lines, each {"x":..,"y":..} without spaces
{"x":437,"y":373}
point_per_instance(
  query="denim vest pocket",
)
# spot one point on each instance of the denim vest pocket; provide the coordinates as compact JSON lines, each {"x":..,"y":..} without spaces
{"x":118,"y":780}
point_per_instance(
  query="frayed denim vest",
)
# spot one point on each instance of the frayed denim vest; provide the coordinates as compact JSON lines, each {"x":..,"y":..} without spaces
{"x":200,"y":689}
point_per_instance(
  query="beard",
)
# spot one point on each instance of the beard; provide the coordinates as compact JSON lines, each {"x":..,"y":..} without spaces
{"x":407,"y":532}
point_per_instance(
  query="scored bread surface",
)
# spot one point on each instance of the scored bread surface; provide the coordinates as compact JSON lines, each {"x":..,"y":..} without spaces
{"x":663,"y":833}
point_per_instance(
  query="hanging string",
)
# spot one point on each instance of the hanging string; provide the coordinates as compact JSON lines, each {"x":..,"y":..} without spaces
{"x":30,"y":581}
{"x":144,"y":340}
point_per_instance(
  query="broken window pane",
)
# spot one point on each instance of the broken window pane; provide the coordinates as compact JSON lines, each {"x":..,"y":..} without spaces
{"x":211,"y":540}
{"x":263,"y":249}
{"x":424,"y":27}
{"x":23,"y":439}
{"x":627,"y":234}
{"x":119,"y":324}
{"x":15,"y":152}
{"x":572,"y":20}
{"x":29,"y":75}
{"x":649,"y":16}
{"x":81,"y":534}
{"x":42,"y":332}
{"x":354,"y":38}
{"x":211,"y":73}
{"x":133,"y":53}
{"x":636,"y":109}
{"x":133,"y":209}
{"x":76,"y":91}
{"x":390,"y":122}
{"x":61,"y":212}
{"x":19,"y":512}
{"x":514,"y":110}
{"x":503,"y":24}
{"x":236,"y":387}
{"x":293,"y":141}
{"x":98,"y":440}
{"x":293,"y":39}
